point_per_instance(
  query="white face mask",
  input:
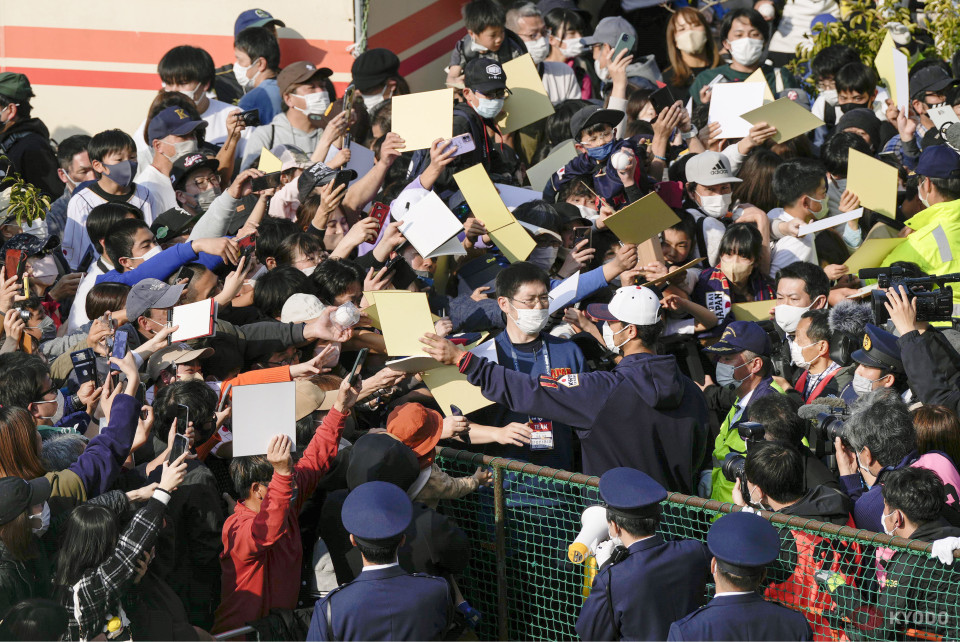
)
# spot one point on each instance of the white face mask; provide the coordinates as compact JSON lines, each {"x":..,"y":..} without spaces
{"x":609,"y":338}
{"x":477,"y":47}
{"x":788,"y":316}
{"x":152,"y":252}
{"x":308,"y":270}
{"x":372,"y":100}
{"x":240,"y":73}
{"x":316,"y":104}
{"x":489,"y":107}
{"x":531,"y":322}
{"x":602,"y":73}
{"x":862,"y":385}
{"x":883,"y":522}
{"x":538,"y":49}
{"x":571,"y":48}
{"x":206,"y":198}
{"x":57,"y":414}
{"x":45,"y":270}
{"x":44,"y":518}
{"x":194,"y":94}
{"x":796,"y":355}
{"x":715,"y":205}
{"x":747,"y":51}
{"x":544,"y":257}
{"x":180,"y":149}
{"x":925,"y":202}
{"x":692,"y":42}
{"x":822,"y":202}
{"x":830,"y":96}
{"x":588,"y":212}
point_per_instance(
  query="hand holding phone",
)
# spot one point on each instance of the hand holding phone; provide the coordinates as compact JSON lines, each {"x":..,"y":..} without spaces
{"x":357,"y":365}
{"x":84,"y":364}
{"x":625,"y":42}
{"x":581,"y":233}
{"x":267,"y":181}
{"x":180,"y":442}
{"x":119,"y":348}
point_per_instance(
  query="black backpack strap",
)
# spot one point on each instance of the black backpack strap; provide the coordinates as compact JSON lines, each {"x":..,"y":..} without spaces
{"x":329,"y":617}
{"x":702,"y":238}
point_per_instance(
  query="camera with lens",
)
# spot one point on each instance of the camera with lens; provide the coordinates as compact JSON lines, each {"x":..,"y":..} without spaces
{"x":734,"y":464}
{"x":250,"y":118}
{"x":934,"y":299}
{"x":24,"y":314}
{"x":830,"y":425}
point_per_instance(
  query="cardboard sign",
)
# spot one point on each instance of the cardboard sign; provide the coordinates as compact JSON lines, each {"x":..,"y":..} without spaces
{"x":528,"y":101}
{"x":421,"y":118}
{"x":874,"y":182}
{"x":790,"y":119}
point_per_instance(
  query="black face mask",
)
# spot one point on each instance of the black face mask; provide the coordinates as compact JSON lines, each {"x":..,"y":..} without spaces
{"x":851,"y":106}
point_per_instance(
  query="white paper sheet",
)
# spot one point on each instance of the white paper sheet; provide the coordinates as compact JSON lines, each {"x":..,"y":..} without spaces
{"x":829,"y":221}
{"x":195,"y":320}
{"x":515,"y":196}
{"x":261,"y":411}
{"x":729,"y":100}
{"x":361,"y":160}
{"x":564,"y":293}
{"x":428,"y":224}
{"x":901,"y":69}
{"x":487,"y":350}
{"x":413,"y":365}
{"x":942,"y":115}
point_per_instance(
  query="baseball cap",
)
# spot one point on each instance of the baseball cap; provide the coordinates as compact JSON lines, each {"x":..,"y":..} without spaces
{"x":301,"y":307}
{"x":709,"y":168}
{"x":18,"y":494}
{"x":740,"y":336}
{"x":938,"y":161}
{"x":929,"y":79}
{"x":374,"y":67}
{"x":172,"y":223}
{"x":417,"y":427}
{"x":151,"y":293}
{"x":254,"y":18}
{"x":608,"y":31}
{"x":484,"y":75}
{"x":188,"y":163}
{"x":570,"y":214}
{"x":172,"y":121}
{"x":630,"y":304}
{"x":291,"y":156}
{"x":298,"y":73}
{"x":31,"y":244}
{"x":318,"y":175}
{"x":591,"y":115}
{"x":310,"y":398}
{"x":174,"y":354}
{"x":15,"y":86}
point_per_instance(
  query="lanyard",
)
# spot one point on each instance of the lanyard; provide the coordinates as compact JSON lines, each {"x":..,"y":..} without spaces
{"x":536,"y":358}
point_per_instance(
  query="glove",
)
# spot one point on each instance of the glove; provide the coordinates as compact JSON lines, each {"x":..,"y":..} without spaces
{"x":943,"y":549}
{"x":604,"y":551}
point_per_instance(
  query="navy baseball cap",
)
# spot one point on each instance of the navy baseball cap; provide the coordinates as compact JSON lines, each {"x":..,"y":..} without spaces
{"x":938,"y":161}
{"x":254,"y":18}
{"x":31,"y":244}
{"x":743,"y":541}
{"x":631,"y":492}
{"x":173,"y":121}
{"x":879,"y":350}
{"x":376,"y":510}
{"x":740,"y":336}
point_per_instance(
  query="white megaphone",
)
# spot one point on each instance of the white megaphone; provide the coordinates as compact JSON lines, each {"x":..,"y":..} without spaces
{"x":593,"y":531}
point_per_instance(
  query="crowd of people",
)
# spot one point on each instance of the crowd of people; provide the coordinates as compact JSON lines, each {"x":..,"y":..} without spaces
{"x":125,"y":515}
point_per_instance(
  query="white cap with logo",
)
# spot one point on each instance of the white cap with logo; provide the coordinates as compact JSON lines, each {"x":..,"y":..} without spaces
{"x":710,"y":168}
{"x":631,"y":304}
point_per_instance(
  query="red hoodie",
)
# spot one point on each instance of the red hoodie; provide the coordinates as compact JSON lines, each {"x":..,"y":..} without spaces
{"x":262,"y":552}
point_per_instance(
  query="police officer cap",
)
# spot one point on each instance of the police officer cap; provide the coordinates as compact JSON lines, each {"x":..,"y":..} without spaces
{"x":938,"y":161}
{"x":740,"y":336}
{"x":373,"y":68}
{"x":631,"y":492}
{"x":879,"y":350}
{"x":376,"y":510}
{"x":743,"y":541}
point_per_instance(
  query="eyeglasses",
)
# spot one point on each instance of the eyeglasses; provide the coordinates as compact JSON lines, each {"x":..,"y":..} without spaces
{"x":45,"y":393}
{"x":204,"y":183}
{"x":543,"y":300}
{"x":496,"y":95}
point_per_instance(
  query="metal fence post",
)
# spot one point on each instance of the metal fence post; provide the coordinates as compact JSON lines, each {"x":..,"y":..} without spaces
{"x":500,"y":522}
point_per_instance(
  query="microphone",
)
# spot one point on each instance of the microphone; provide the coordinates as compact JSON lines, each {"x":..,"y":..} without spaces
{"x":950,"y":133}
{"x":872,"y":273}
{"x":850,"y":317}
{"x":593,"y":531}
{"x":827,"y":405}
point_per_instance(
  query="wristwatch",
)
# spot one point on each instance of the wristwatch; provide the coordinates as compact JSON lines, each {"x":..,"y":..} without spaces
{"x":690,"y":134}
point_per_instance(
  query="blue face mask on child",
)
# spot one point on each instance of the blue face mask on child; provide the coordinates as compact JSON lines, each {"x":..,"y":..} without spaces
{"x":602,"y":152}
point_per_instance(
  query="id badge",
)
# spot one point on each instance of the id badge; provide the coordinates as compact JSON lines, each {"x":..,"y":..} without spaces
{"x":542,"y":437}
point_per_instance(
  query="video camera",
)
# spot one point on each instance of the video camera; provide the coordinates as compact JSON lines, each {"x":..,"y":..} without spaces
{"x":734,"y":464}
{"x":932,"y":304}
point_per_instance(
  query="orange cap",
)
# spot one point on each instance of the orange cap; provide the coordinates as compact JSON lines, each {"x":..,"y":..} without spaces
{"x":416,"y":426}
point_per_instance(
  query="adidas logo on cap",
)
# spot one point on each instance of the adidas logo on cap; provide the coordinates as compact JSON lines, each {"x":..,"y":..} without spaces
{"x":719,"y":170}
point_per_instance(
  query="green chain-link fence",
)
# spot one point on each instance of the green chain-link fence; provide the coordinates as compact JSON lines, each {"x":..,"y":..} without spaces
{"x":519,"y":576}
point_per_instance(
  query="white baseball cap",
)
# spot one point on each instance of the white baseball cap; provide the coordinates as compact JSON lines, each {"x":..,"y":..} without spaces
{"x":631,"y":304}
{"x":709,"y":168}
{"x":301,"y":307}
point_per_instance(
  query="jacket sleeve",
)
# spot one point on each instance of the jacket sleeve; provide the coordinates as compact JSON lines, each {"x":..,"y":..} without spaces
{"x":262,"y":336}
{"x":588,"y":283}
{"x":932,"y":375}
{"x":159,"y":267}
{"x":216,"y":221}
{"x":317,"y":457}
{"x":540,"y":396}
{"x":279,"y":374}
{"x":103,"y":457}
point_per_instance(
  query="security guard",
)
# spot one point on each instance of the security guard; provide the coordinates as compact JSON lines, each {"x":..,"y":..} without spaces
{"x":879,"y":366}
{"x":384,"y":602}
{"x":645,"y":414}
{"x":648,"y":583}
{"x":743,"y":544}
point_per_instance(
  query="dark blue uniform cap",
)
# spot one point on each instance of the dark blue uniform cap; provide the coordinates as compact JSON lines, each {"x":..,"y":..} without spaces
{"x":743,"y":540}
{"x":254,"y":18}
{"x":880,"y":350}
{"x":740,"y":336}
{"x":173,"y":120}
{"x":631,"y":492}
{"x":376,"y":510}
{"x":938,"y":161}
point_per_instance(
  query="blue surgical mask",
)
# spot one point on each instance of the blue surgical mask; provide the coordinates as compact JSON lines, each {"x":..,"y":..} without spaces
{"x":602,"y":152}
{"x":488,"y":107}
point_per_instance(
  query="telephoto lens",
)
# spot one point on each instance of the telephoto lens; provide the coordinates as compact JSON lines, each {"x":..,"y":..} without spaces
{"x":734,"y":467}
